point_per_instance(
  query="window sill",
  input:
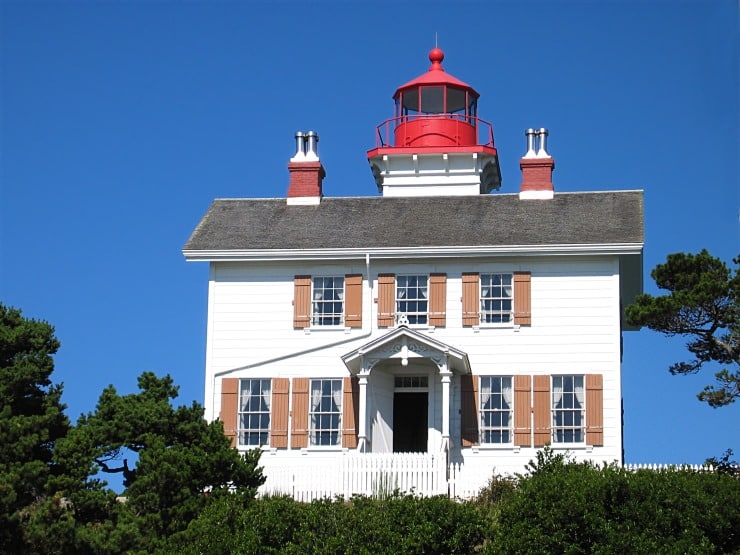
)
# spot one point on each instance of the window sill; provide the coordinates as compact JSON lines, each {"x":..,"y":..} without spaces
{"x":324,"y":329}
{"x":571,"y":447}
{"x":507,"y":326}
{"x":496,"y":447}
{"x":322,"y":449}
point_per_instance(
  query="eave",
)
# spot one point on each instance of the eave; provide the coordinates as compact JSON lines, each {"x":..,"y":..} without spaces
{"x":277,"y":255}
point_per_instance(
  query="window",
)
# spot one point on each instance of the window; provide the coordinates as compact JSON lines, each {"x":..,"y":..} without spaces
{"x":327,"y":301}
{"x":495,"y":298}
{"x":254,"y":412}
{"x":325,"y":412}
{"x":568,"y":409}
{"x":412,"y":299}
{"x":496,"y":403}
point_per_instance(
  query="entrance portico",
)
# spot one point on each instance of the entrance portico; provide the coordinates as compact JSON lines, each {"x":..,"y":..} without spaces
{"x":405,"y":389}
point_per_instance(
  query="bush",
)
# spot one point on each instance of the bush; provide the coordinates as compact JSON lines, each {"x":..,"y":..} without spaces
{"x":565,"y":507}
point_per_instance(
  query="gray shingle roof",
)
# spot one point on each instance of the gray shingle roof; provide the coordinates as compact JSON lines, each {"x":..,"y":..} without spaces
{"x":386,"y":222}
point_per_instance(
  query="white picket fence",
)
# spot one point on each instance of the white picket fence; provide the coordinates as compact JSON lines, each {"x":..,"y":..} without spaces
{"x":371,"y":474}
{"x":306,"y":478}
{"x":658,"y":467}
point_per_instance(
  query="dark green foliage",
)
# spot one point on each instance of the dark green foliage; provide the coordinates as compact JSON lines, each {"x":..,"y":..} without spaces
{"x":565,"y":507}
{"x":178,"y":462}
{"x":31,"y":421}
{"x":398,"y":524}
{"x":703,"y":304}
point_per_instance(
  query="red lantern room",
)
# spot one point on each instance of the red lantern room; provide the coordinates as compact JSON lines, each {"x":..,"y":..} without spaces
{"x":435,"y":120}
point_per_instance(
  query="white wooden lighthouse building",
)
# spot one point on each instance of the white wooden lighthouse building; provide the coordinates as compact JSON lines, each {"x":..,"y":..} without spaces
{"x":427,"y":335}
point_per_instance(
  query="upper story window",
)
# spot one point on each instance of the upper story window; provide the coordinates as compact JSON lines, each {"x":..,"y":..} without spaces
{"x":254,"y":412}
{"x":327,"y":301}
{"x":325,"y":412}
{"x":412,"y":298}
{"x":496,"y":404}
{"x":496,"y":298}
{"x":332,"y":301}
{"x":568,"y":409}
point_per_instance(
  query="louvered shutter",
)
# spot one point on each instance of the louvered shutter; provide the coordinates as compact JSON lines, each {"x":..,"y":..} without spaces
{"x":522,"y":411}
{"x":470,"y":299}
{"x":386,"y":300}
{"x":523,"y":298}
{"x":437,"y":299}
{"x":469,"y":410}
{"x":302,"y":302}
{"x":350,"y":412}
{"x":230,"y":407}
{"x":542,"y":412}
{"x":299,"y":413}
{"x":353,"y":301}
{"x":279,"y":413}
{"x":594,"y":409}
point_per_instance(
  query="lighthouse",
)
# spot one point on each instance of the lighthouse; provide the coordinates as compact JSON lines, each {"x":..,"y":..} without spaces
{"x":435,"y":144}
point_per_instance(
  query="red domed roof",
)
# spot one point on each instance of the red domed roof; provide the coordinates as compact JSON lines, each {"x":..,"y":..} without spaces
{"x":435,"y":76}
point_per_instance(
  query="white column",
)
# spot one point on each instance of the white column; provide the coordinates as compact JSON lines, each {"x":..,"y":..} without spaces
{"x":446,"y":377}
{"x":363,"y":413}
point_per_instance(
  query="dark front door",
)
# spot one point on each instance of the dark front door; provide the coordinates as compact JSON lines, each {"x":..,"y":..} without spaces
{"x":410,"y":422}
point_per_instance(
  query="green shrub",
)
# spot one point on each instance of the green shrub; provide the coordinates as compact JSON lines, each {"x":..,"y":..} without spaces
{"x":565,"y":507}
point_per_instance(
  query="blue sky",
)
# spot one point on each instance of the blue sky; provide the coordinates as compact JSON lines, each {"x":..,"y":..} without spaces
{"x":121,"y":121}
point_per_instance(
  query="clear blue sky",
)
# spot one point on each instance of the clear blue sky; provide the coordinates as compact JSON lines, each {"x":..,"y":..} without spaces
{"x":121,"y":121}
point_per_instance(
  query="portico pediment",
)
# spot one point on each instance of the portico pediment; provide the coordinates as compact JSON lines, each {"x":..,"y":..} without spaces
{"x":403,"y":344}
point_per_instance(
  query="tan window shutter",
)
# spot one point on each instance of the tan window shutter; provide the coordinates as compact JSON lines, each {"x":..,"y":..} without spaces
{"x":386,"y":300}
{"x":299,"y":413}
{"x":279,"y":413}
{"x":469,"y":410}
{"x":302,"y":302}
{"x":471,"y":299}
{"x":230,"y":407}
{"x":437,"y":299}
{"x":594,"y":409}
{"x":522,"y":411}
{"x":523,"y":298}
{"x":350,"y":412}
{"x":353,"y":301}
{"x":542,"y":412}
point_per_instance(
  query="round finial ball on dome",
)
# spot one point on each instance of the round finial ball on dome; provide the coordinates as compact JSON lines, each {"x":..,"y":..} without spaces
{"x":436,"y":55}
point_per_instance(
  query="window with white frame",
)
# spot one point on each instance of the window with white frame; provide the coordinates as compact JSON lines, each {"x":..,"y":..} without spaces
{"x":327,"y":301}
{"x":412,"y":298}
{"x":496,"y":298}
{"x":568,"y":409}
{"x":325,"y":412}
{"x":254,"y":412}
{"x":496,"y":405}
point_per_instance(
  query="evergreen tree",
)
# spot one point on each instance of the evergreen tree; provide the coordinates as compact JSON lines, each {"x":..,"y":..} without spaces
{"x":703,"y":304}
{"x":32,"y":420}
{"x":172,"y":462}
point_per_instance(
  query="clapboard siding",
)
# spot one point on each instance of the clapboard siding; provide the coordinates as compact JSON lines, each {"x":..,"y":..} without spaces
{"x":575,"y":330}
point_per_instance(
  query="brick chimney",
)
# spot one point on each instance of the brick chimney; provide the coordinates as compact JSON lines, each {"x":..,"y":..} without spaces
{"x":537,"y":166}
{"x":306,"y":171}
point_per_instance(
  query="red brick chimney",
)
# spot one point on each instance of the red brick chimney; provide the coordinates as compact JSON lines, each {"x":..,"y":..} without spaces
{"x":537,"y":166}
{"x":306,"y":171}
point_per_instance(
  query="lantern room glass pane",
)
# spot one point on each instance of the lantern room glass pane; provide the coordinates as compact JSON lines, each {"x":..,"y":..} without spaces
{"x":455,"y":100}
{"x":410,"y":102}
{"x":432,"y":100}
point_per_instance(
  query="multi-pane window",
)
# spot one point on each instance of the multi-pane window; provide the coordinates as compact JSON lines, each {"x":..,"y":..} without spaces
{"x":496,"y":404}
{"x":568,"y":409}
{"x":325,"y":411}
{"x":412,"y":298}
{"x":254,"y":412}
{"x":327,"y":301}
{"x":495,"y":298}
